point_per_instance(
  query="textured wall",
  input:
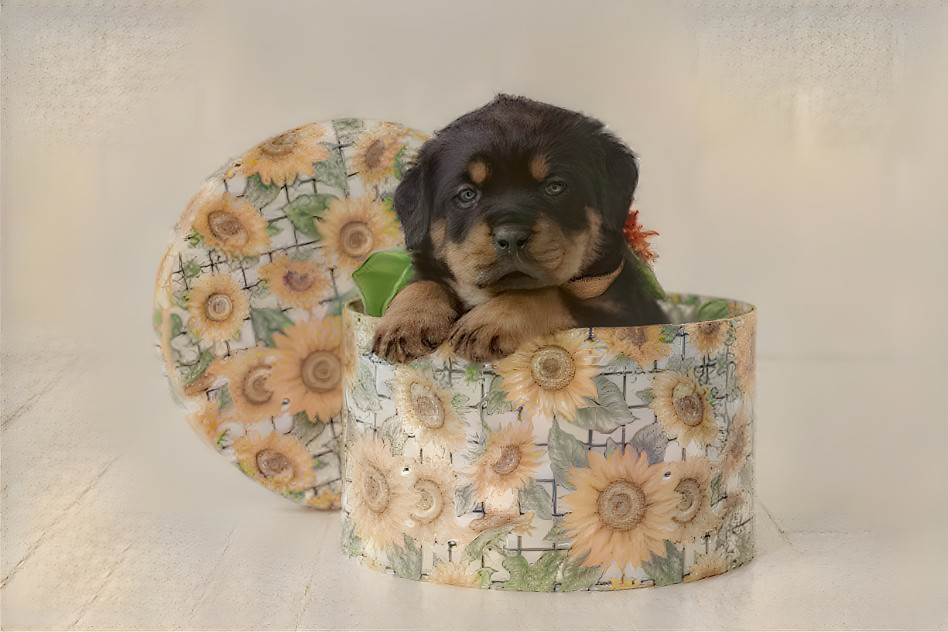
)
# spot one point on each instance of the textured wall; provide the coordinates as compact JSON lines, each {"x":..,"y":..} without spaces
{"x":790,"y":150}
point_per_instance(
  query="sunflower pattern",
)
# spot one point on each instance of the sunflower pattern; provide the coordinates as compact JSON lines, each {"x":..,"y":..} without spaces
{"x":592,"y":459}
{"x":249,"y":296}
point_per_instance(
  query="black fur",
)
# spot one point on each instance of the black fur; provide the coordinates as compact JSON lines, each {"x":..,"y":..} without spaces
{"x":599,"y":170}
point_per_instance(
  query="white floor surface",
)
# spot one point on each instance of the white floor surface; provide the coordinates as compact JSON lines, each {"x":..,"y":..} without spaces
{"x":114,"y":516}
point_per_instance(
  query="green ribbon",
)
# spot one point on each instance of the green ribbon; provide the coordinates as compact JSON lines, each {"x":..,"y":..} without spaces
{"x":381,"y":277}
{"x":385,"y":273}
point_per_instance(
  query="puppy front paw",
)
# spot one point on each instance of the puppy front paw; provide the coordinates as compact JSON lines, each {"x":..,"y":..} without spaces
{"x":404,"y":339}
{"x":479,"y":337}
{"x":415,"y":324}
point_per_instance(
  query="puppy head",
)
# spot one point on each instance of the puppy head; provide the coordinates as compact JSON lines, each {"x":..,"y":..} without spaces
{"x":517,"y":195}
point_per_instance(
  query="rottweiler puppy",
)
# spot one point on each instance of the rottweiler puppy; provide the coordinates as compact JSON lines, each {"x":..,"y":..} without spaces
{"x":513,"y":215}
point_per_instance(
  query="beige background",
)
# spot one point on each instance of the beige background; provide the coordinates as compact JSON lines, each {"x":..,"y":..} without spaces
{"x":794,"y":155}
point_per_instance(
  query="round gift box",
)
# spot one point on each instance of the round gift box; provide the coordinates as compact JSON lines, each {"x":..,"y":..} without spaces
{"x":590,"y":459}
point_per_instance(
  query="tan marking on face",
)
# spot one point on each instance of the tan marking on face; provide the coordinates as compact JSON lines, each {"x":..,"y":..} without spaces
{"x":591,"y":248}
{"x":469,"y":260}
{"x":539,"y":167}
{"x":548,"y":245}
{"x":437,"y":233}
{"x":479,"y":171}
{"x":564,"y":256}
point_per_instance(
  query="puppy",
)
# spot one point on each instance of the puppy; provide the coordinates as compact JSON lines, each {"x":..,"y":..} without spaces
{"x":513,"y":215}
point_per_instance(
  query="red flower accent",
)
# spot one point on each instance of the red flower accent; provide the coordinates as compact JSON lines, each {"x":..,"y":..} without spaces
{"x":638,"y":238}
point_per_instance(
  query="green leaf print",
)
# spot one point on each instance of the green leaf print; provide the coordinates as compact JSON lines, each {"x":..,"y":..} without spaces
{"x":668,"y":333}
{"x":198,"y":369}
{"x":347,"y":129}
{"x":304,"y":210}
{"x":557,"y":534}
{"x":194,"y":238}
{"x":224,"y":397}
{"x":489,"y":540}
{"x":609,"y":411}
{"x":364,"y":394}
{"x":495,"y":401}
{"x":406,"y":562}
{"x":460,"y":400}
{"x":305,"y":430}
{"x":351,"y":543}
{"x":332,"y":171}
{"x":578,"y":577}
{"x":258,"y":193}
{"x":266,"y":322}
{"x":566,"y":452}
{"x":177,"y":326}
{"x":646,"y":396}
{"x":539,"y":576}
{"x":712,"y":310}
{"x":669,"y":569}
{"x":400,"y":167}
{"x":473,"y":372}
{"x":534,"y":497}
{"x":716,"y":489}
{"x":652,"y":441}
{"x":465,"y":499}
{"x":485,"y":574}
{"x":191,"y":269}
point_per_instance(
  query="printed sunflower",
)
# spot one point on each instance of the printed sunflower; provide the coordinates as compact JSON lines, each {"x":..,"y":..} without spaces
{"x":625,"y":583}
{"x":379,"y":494}
{"x":309,"y":372}
{"x":218,"y":307}
{"x":229,"y":224}
{"x":707,"y":566}
{"x":248,"y":374}
{"x":432,"y":509}
{"x":693,"y":518}
{"x":374,"y":153}
{"x":296,"y":283}
{"x":519,"y":523}
{"x":455,"y":574}
{"x":509,"y":462}
{"x":551,"y":375}
{"x":708,"y":336}
{"x":351,"y":351}
{"x":681,"y":405}
{"x":277,"y":461}
{"x":737,"y":445}
{"x":745,"y":357}
{"x":426,"y":412}
{"x":205,"y":419}
{"x":326,"y":498}
{"x":354,"y":228}
{"x":281,"y":159}
{"x":642,"y":344}
{"x":621,"y":512}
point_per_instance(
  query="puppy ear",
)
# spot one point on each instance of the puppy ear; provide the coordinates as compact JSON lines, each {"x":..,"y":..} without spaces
{"x":412,"y":204}
{"x":622,"y":176}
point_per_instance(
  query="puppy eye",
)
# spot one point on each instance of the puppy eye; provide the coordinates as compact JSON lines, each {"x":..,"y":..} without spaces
{"x":466,"y":197}
{"x":556,"y":187}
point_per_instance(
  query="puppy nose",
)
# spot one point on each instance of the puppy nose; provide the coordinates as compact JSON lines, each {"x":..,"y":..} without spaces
{"x":511,"y":238}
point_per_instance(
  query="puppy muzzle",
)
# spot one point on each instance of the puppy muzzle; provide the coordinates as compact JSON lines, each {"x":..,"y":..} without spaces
{"x":510,"y":240}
